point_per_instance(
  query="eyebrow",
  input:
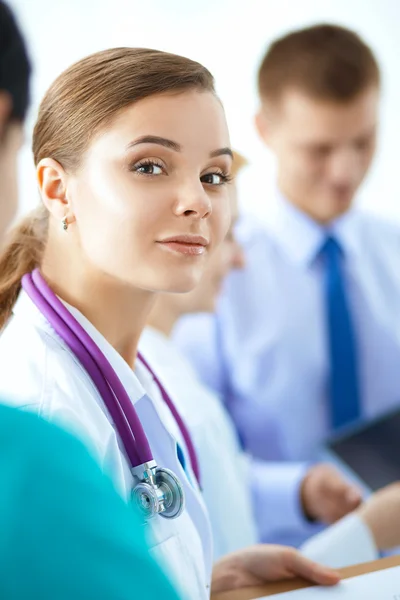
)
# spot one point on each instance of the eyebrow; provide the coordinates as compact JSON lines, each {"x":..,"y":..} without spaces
{"x":171,"y":145}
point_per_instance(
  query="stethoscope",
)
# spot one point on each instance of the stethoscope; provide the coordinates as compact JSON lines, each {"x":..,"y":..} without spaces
{"x":156,"y":490}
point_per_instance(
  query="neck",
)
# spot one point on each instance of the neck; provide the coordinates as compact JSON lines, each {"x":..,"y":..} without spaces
{"x":297,"y":201}
{"x":163,"y":315}
{"x":118,"y":311}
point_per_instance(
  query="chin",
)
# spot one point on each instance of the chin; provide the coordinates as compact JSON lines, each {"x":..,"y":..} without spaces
{"x":179,"y":285}
{"x":336,"y":207}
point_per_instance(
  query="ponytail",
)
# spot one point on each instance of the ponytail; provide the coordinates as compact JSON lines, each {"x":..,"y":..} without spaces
{"x":23,"y":252}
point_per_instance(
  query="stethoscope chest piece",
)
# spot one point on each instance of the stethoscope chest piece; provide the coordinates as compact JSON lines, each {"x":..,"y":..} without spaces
{"x":159,"y":491}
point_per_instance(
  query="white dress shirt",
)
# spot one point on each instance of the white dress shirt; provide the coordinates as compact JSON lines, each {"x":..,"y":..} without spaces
{"x":40,"y":373}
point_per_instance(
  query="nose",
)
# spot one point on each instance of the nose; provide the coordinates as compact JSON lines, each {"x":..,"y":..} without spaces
{"x":193,"y":201}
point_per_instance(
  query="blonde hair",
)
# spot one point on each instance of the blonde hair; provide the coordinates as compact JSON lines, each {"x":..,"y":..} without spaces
{"x":82,"y":101}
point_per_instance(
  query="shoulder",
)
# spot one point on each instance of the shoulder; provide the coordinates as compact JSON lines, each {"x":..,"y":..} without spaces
{"x":376,"y":228}
{"x":376,"y":242}
{"x":39,"y":374}
{"x":23,"y":360}
{"x":24,"y":436}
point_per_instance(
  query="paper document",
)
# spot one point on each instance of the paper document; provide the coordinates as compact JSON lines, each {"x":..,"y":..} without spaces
{"x":381,"y":585}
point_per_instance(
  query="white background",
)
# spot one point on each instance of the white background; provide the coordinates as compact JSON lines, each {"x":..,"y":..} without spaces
{"x":229,"y":37}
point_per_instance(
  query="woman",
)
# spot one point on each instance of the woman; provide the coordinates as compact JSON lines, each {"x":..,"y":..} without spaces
{"x":133,"y":164}
{"x":65,"y":533}
{"x":233,"y":485}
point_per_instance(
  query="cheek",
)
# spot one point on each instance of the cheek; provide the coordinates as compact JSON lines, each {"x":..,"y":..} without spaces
{"x":302,"y":168}
{"x":221,"y":217}
{"x":110,"y":204}
{"x":112,"y":218}
{"x":318,"y":171}
{"x":368,"y":157}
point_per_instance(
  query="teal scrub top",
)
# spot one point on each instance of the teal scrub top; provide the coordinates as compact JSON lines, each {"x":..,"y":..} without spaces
{"x":65,"y":534}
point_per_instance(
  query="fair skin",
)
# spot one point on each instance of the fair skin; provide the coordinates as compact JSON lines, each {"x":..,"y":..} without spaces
{"x":381,"y":513}
{"x":123,"y":206}
{"x":323,"y":148}
{"x":11,"y":136}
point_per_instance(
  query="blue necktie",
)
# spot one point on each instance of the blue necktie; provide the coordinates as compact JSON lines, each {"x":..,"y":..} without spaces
{"x":343,"y":383}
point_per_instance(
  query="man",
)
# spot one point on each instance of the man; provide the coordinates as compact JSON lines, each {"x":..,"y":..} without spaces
{"x":306,"y":339}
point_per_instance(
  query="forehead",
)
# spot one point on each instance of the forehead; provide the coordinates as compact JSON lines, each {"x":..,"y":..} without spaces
{"x":304,"y":117}
{"x":193,"y":119}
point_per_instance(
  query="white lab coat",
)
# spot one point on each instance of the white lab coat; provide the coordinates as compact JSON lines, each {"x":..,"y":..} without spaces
{"x":39,"y":373}
{"x":227,"y":473}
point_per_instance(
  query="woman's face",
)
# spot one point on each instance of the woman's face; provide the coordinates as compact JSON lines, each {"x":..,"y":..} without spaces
{"x":151,"y":200}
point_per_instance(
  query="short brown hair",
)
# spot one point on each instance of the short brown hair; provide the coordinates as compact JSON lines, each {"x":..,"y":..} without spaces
{"x":327,"y":62}
{"x":83,"y":101}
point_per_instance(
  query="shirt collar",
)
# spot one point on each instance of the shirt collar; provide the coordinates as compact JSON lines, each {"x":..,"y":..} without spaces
{"x":301,"y":237}
{"x":24,"y":307}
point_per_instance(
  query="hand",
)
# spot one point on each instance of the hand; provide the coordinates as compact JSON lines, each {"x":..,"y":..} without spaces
{"x":326,"y":496}
{"x":381,"y":513}
{"x":263,"y":563}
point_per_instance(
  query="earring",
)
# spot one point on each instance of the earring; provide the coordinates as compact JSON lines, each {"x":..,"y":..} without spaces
{"x":65,"y":223}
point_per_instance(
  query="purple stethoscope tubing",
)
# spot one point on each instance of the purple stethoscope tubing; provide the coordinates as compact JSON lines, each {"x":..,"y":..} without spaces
{"x":184,"y":431}
{"x":83,"y":347}
{"x":102,"y":374}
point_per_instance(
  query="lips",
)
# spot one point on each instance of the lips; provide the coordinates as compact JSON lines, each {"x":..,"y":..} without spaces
{"x":190,"y":245}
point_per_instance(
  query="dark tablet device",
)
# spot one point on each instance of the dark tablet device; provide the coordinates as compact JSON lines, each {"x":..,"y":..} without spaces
{"x":372,"y":450}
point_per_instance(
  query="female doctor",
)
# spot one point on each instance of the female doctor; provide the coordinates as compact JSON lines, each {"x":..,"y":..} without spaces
{"x":133,"y":165}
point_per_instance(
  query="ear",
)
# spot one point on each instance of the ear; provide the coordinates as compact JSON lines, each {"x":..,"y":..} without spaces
{"x":262,"y":125}
{"x":5,"y":110}
{"x":52,"y":180}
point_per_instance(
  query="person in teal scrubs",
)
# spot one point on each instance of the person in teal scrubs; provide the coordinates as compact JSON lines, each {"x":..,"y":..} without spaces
{"x":65,"y":532}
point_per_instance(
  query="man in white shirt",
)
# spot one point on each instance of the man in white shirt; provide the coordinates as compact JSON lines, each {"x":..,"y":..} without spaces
{"x":306,"y":338}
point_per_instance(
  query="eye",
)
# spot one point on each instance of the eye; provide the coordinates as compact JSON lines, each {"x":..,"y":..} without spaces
{"x":148,"y":168}
{"x":215,"y":178}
